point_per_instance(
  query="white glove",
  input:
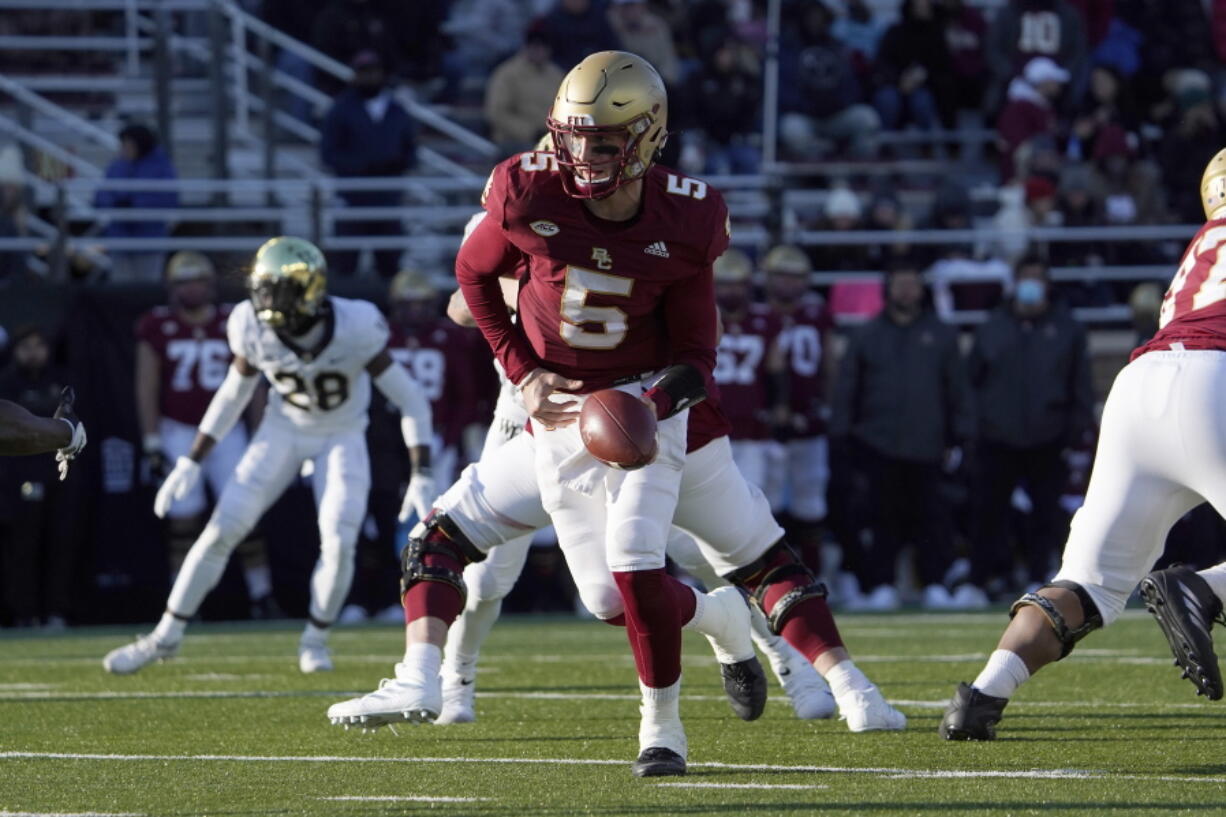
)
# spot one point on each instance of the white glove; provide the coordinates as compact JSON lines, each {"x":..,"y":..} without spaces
{"x":64,"y":455}
{"x":181,"y":480}
{"x":64,"y":411}
{"x":420,"y":496}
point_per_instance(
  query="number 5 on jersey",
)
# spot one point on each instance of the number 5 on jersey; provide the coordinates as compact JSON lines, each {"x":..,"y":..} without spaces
{"x":578,"y":316}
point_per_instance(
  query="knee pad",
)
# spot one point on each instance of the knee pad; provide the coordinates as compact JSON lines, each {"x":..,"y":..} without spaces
{"x":780,"y":563}
{"x":438,"y":536}
{"x":1091,"y":618}
{"x":602,"y":600}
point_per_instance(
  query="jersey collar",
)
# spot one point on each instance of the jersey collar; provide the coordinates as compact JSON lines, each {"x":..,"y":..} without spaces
{"x":329,"y":318}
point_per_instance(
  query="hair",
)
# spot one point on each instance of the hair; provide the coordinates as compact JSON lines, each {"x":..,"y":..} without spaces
{"x":1032,"y":259}
{"x":903,"y":263}
{"x":142,"y":137}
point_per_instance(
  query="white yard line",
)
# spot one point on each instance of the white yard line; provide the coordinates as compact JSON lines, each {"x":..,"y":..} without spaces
{"x":740,"y":786}
{"x":883,"y":771}
{"x":405,"y":798}
{"x":940,"y":703}
{"x":69,"y":814}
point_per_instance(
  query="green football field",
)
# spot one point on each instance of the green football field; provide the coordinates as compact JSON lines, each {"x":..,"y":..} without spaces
{"x":231,"y":728}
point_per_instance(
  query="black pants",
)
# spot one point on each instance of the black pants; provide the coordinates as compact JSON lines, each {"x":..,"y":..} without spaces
{"x":345,"y":262}
{"x":38,"y":540}
{"x":1041,"y":471}
{"x":906,"y":506}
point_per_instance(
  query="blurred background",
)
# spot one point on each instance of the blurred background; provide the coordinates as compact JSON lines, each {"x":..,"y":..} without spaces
{"x":148,"y":147}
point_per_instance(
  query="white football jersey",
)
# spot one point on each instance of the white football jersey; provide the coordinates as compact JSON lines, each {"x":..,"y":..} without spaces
{"x":324,"y":389}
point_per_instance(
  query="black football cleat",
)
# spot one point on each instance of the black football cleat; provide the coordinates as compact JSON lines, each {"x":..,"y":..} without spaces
{"x":971,"y":715}
{"x":745,"y":686}
{"x":1186,"y":608}
{"x":656,"y":761}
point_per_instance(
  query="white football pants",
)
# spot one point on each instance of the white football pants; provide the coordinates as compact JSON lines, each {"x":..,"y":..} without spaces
{"x":1161,"y":452}
{"x":341,"y":482}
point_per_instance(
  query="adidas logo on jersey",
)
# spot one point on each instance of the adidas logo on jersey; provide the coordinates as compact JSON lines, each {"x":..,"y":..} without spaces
{"x":657,"y":248}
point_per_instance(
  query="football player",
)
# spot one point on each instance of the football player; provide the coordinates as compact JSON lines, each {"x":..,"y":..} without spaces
{"x":489,"y":581}
{"x":619,"y":287}
{"x":22,"y":433}
{"x":1159,"y":455}
{"x":800,"y":422}
{"x":181,"y":360}
{"x":320,"y":354}
{"x":749,"y":372}
{"x":445,"y":360}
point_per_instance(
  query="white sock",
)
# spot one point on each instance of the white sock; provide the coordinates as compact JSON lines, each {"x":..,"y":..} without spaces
{"x":711,"y":619}
{"x":169,"y":630}
{"x":660,"y":718}
{"x":314,"y":635}
{"x":466,"y":635}
{"x":1002,"y":675}
{"x":421,"y":664}
{"x":259,"y":582}
{"x":1216,"y":577}
{"x":845,"y":677}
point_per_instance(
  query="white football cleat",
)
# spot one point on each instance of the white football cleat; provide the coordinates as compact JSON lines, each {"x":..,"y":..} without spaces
{"x":809,"y":693}
{"x":407,"y":698}
{"x":866,"y":710}
{"x":459,"y":700}
{"x":144,"y":650}
{"x":314,"y":658}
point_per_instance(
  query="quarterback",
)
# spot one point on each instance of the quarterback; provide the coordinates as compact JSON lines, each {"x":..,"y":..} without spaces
{"x":619,"y":294}
{"x":1161,"y":452}
{"x":320,"y":355}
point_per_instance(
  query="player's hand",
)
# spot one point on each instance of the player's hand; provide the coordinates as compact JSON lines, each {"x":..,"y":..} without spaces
{"x":536,"y":389}
{"x":65,"y":412}
{"x":181,"y":480}
{"x":419,"y":499}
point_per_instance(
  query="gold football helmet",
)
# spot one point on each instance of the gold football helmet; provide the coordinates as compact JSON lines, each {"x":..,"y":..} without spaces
{"x":411,"y":285}
{"x":188,"y":265}
{"x":608,"y":122}
{"x":787,"y":259}
{"x":1213,"y":187}
{"x":287,"y":283}
{"x":733,"y":267}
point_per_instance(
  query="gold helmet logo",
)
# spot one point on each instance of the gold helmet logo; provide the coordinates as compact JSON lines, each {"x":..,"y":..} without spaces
{"x":287,"y":283}
{"x":608,"y":121}
{"x":1213,"y":187}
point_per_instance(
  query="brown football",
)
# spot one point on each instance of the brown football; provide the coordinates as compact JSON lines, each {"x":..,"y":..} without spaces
{"x":618,"y":429}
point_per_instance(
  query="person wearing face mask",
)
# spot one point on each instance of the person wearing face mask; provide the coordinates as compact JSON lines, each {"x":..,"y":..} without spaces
{"x":181,"y":360}
{"x":1029,"y":370}
{"x":901,"y":409}
{"x":368,"y":133}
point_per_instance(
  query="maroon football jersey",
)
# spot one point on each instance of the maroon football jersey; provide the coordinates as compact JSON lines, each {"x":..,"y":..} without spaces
{"x":1194,"y":308}
{"x":801,"y":341}
{"x":603,"y":301}
{"x":450,"y":364}
{"x":194,"y":360}
{"x":741,"y":371}
{"x":706,"y":422}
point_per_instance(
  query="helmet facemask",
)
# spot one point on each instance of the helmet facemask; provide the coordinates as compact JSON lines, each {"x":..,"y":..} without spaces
{"x":588,"y":179}
{"x":281,"y":303}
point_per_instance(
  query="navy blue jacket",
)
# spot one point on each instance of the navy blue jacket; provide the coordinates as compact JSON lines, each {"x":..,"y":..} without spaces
{"x":153,"y":165}
{"x":353,"y":144}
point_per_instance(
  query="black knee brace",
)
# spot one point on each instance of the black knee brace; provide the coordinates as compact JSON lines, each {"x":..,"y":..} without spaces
{"x":1091,"y":618}
{"x":778,"y":563}
{"x":436,"y":534}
